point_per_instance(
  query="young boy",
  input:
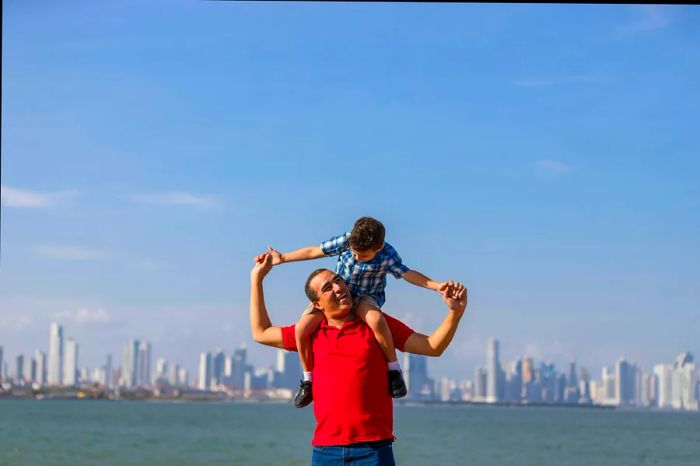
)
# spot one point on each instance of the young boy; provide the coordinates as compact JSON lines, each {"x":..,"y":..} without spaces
{"x":364,"y":260}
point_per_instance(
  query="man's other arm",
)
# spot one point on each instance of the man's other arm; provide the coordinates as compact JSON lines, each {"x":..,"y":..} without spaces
{"x":261,"y":327}
{"x":435,"y":344}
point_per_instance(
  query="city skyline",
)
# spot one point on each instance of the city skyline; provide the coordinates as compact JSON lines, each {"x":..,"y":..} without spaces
{"x":624,"y":384}
{"x":544,"y":155}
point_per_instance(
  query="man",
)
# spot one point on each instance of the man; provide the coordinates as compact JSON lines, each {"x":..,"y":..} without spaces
{"x":352,"y":405}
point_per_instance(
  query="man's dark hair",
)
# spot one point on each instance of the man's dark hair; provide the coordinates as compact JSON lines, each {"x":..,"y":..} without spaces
{"x":367,"y":234}
{"x":310,"y":293}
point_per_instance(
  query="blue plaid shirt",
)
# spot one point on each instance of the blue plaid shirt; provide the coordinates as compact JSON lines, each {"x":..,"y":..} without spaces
{"x":364,"y":278}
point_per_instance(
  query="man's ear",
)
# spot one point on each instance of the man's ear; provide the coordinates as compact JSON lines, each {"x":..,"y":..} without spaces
{"x":316,"y":304}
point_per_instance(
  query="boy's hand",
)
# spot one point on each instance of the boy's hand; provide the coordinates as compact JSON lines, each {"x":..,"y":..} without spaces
{"x":451,"y":290}
{"x":456,"y":296}
{"x":276,"y":256}
{"x":442,"y":287}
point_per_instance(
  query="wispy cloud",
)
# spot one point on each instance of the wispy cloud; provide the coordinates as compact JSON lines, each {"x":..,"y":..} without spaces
{"x":561,"y":80}
{"x":176,"y":198}
{"x":21,"y":198}
{"x":84,"y":316}
{"x":650,"y":18}
{"x":69,"y":252}
{"x":553,"y":349}
{"x":14,"y":323}
{"x":553,"y":166}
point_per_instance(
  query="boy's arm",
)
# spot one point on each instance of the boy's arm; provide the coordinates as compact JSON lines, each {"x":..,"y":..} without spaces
{"x":261,"y":327}
{"x":418,"y":279}
{"x":303,"y":254}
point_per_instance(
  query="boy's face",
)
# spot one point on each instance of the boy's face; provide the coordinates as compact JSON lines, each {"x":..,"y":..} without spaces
{"x":365,"y":256}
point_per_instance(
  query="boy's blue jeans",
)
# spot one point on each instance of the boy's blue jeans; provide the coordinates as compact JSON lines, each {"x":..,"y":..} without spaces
{"x":377,"y":453}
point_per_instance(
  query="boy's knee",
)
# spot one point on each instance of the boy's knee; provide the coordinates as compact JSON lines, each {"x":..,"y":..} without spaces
{"x":374,"y":319}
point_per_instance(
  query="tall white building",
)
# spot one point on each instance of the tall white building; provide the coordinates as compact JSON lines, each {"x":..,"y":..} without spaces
{"x":55,"y":373}
{"x":204,"y":371}
{"x":70,"y":373}
{"x":143,"y":373}
{"x":161,"y":372}
{"x":40,"y":359}
{"x":663,"y":385}
{"x":684,"y":380}
{"x":493,"y":368}
{"x":130,"y":363}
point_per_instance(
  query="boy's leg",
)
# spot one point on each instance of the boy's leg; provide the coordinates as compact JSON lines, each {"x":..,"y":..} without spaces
{"x":309,"y":321}
{"x":307,"y":324}
{"x":368,"y":310}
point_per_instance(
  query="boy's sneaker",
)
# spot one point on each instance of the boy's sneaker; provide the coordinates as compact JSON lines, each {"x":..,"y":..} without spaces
{"x":304,"y":396}
{"x":397,"y":387}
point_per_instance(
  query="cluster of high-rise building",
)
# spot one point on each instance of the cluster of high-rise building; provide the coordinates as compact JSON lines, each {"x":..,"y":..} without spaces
{"x":625,"y":384}
{"x":523,"y":381}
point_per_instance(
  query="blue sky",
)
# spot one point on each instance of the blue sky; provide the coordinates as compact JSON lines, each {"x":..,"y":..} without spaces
{"x":543,"y":154}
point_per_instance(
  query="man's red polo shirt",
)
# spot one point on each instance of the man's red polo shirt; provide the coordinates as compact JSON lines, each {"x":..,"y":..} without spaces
{"x":350,"y":382}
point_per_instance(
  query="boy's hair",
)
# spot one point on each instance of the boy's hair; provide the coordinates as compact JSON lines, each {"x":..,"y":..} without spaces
{"x":367,"y":234}
{"x":311,"y":293}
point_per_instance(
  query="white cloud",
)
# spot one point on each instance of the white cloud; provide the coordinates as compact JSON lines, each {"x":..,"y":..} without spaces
{"x":21,"y":198}
{"x":14,"y":323}
{"x":69,"y":252}
{"x":176,"y":198}
{"x":552,"y":350}
{"x":84,"y":316}
{"x":553,"y":166}
{"x":650,"y":18}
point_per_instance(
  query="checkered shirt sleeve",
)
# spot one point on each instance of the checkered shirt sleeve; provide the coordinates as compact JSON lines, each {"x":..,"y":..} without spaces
{"x":393,"y":262}
{"x":336,"y":245}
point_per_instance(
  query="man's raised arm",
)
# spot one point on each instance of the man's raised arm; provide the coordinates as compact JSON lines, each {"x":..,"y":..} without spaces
{"x":260,"y":325}
{"x":455,"y":297}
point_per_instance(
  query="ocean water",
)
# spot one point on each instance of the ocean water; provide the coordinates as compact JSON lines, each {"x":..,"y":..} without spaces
{"x":52,"y":432}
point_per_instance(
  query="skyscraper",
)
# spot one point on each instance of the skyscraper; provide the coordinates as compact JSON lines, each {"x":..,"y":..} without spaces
{"x":143,"y":373}
{"x":40,"y":359}
{"x":19,"y":369}
{"x":419,"y":385}
{"x":130,"y":364}
{"x":624,"y":382}
{"x":480,"y":381}
{"x":161,"y":373}
{"x":239,"y":367}
{"x":287,"y":369}
{"x":218,"y":367}
{"x":493,"y":367}
{"x":55,"y":375}
{"x":108,"y":371}
{"x":70,"y":373}
{"x":204,"y":371}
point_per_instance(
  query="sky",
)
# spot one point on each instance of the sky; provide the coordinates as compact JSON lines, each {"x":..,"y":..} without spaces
{"x":544,"y":155}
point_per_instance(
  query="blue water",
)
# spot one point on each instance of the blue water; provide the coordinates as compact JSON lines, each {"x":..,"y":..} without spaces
{"x":48,"y":433}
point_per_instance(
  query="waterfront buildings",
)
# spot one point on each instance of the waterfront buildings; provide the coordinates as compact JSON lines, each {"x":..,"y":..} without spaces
{"x":70,"y":373}
{"x":55,"y":374}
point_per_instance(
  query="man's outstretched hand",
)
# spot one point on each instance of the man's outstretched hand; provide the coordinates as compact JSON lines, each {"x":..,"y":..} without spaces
{"x":263,"y":264}
{"x":454,"y":295}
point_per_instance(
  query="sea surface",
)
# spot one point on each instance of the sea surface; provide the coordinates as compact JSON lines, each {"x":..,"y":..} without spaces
{"x":53,"y":432}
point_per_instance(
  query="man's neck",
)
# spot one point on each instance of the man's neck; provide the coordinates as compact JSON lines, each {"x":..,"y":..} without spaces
{"x":339,"y":322}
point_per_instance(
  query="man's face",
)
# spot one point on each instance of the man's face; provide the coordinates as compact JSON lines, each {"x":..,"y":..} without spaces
{"x":365,"y":256}
{"x":334,"y":297}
